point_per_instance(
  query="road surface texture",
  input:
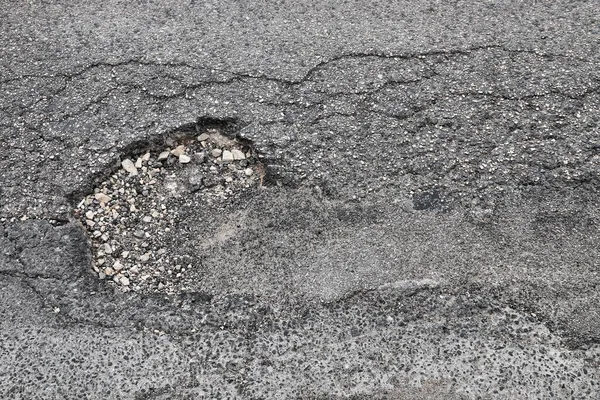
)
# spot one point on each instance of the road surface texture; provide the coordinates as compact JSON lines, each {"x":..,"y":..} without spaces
{"x":412,"y":212}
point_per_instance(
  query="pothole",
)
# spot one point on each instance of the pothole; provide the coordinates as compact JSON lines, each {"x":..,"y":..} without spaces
{"x":130,"y":215}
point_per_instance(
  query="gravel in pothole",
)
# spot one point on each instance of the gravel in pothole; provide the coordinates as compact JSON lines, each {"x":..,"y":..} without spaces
{"x":129,"y":215}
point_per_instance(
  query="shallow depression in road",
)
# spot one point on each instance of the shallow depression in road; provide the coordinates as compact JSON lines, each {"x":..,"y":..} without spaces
{"x":133,"y":215}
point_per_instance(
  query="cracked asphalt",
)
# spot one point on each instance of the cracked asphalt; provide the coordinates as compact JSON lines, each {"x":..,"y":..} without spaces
{"x":428,"y":227}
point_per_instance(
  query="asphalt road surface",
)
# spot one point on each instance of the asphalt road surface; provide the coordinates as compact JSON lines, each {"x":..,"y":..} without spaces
{"x":415,"y":213}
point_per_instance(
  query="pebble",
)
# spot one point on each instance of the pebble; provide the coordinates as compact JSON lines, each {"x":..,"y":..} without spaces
{"x":124,"y":281}
{"x":184,"y":159}
{"x":109,"y":271}
{"x":145,"y":257}
{"x":248,"y":171}
{"x":203,"y":137}
{"x":227,"y":156}
{"x":102,"y":198}
{"x":125,"y":254}
{"x":134,"y":270}
{"x":106,"y":248}
{"x":117,"y":266}
{"x":138,"y":163}
{"x":138,"y":234}
{"x":164,"y":155}
{"x":146,"y":156}
{"x":178,"y":151}
{"x":216,"y":152}
{"x":90,"y":223}
{"x":128,"y":166}
{"x":90,"y":214}
{"x":147,"y":219}
{"x":237,"y":154}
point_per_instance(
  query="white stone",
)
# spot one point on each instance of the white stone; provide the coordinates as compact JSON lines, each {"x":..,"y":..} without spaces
{"x":106,"y":248}
{"x":124,"y":281}
{"x":203,"y":137}
{"x":146,"y":156}
{"x":164,"y":155}
{"x":237,"y":154}
{"x":128,"y":166}
{"x":117,"y":266}
{"x":216,"y":152}
{"x":138,"y":163}
{"x":90,"y":214}
{"x":184,"y":159}
{"x":227,"y":156}
{"x":248,"y":171}
{"x":179,"y":150}
{"x":145,"y":257}
{"x":102,"y":198}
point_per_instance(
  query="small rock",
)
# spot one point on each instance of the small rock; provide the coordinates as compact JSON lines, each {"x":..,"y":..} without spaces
{"x":100,"y":261}
{"x":125,"y":254}
{"x":128,"y":166}
{"x":117,"y":266}
{"x":90,"y":223}
{"x":138,"y":163}
{"x":248,"y":171}
{"x":134,"y":270}
{"x":106,"y":248}
{"x":164,"y":155}
{"x":109,"y":271}
{"x":90,"y":214}
{"x":102,"y":198}
{"x":216,"y":152}
{"x":138,"y":234}
{"x":146,"y":157}
{"x":227,"y":156}
{"x":184,"y":159}
{"x":160,"y":285}
{"x":101,"y":275}
{"x":124,"y":281}
{"x":203,"y":137}
{"x":145,"y":257}
{"x":237,"y":154}
{"x":147,"y":219}
{"x":178,"y":151}
{"x":229,"y":179}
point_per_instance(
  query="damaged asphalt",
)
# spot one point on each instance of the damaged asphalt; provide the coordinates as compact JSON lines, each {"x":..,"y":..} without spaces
{"x":427,"y":226}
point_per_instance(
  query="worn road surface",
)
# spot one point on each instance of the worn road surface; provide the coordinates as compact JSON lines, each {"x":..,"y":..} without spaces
{"x":426,"y":225}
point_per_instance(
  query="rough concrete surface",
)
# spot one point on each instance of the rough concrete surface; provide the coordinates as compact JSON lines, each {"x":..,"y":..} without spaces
{"x":427,"y":226}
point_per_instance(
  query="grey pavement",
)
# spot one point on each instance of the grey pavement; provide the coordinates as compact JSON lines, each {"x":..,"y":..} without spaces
{"x":427,"y":227}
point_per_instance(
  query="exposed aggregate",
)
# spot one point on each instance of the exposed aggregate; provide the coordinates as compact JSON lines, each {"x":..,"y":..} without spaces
{"x":128,"y":215}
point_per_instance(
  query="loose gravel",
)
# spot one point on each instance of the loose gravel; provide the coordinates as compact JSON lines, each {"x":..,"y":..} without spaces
{"x":128,"y":215}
